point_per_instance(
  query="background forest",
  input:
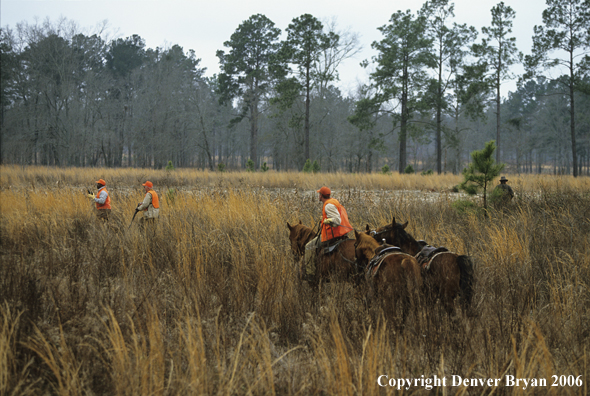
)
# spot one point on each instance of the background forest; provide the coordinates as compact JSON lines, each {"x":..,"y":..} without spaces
{"x":74,"y":99}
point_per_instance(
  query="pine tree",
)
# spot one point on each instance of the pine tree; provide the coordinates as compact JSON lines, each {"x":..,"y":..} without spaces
{"x":481,"y":172}
{"x":565,"y":29}
{"x":247,"y":71}
{"x":315,"y":167}
{"x":399,"y":76}
{"x":496,"y":53}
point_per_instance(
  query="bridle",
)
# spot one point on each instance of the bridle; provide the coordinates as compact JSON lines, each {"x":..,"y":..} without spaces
{"x":375,"y":233}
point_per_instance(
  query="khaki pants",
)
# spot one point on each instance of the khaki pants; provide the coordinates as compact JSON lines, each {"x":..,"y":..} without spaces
{"x":103,"y":214}
{"x":145,"y":221}
{"x":310,"y":257}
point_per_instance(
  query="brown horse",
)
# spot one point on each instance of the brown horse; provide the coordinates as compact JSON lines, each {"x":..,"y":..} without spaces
{"x":446,"y":274}
{"x":338,"y":263}
{"x":299,"y":235}
{"x":393,"y":277}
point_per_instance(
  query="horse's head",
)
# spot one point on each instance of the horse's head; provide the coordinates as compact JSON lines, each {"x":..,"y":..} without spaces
{"x":395,"y":234}
{"x":299,"y":235}
{"x":364,"y":247}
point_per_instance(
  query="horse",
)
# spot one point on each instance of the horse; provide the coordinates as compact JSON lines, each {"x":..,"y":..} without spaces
{"x":393,"y":276}
{"x":299,"y":235}
{"x":446,"y":274}
{"x":338,"y":263}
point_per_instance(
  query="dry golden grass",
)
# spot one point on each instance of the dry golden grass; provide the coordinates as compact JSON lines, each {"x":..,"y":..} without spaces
{"x":210,"y":304}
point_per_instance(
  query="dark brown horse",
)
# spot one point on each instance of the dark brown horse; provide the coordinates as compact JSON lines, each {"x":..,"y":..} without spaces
{"x":393,"y":277}
{"x":336,"y":262}
{"x":446,"y":274}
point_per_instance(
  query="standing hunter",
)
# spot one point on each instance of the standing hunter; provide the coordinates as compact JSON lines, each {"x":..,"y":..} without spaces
{"x":150,"y":205}
{"x":102,"y":200}
{"x":334,"y":225}
{"x":503,"y":191}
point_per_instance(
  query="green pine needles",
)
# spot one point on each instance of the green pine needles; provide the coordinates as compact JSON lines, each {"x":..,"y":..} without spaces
{"x":481,"y":171}
{"x":250,"y":165}
{"x":308,"y":167}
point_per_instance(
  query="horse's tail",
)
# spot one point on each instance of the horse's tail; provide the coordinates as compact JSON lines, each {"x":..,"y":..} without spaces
{"x":467,"y":279}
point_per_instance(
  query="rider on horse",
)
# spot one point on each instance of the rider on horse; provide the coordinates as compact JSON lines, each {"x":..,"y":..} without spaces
{"x":334,"y":226}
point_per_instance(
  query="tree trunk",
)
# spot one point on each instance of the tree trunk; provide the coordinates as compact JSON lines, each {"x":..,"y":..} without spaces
{"x":439,"y":120}
{"x":498,"y":100}
{"x":306,"y":126}
{"x":403,"y":123}
{"x":573,"y":119}
{"x":254,"y":132}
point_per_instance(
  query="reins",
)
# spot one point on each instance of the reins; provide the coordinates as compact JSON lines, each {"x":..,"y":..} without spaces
{"x":374,"y":233}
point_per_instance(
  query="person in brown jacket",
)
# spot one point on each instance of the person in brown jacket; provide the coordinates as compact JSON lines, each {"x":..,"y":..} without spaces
{"x":503,"y":191}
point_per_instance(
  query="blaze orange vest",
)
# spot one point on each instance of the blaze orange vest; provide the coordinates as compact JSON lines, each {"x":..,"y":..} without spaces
{"x":155,"y":200}
{"x":107,"y":202}
{"x":329,"y":232}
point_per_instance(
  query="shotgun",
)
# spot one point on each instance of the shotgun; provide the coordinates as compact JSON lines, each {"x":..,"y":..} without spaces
{"x":133,"y":218}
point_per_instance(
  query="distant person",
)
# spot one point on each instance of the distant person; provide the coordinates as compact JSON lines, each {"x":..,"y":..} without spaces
{"x":150,"y":205}
{"x":503,"y":191}
{"x":334,"y":225}
{"x":102,"y":200}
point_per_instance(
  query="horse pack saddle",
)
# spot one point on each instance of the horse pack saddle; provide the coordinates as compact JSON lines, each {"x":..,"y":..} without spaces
{"x":427,"y":253}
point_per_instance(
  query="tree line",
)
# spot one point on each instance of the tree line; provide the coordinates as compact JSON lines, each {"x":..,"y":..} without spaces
{"x":434,"y":95}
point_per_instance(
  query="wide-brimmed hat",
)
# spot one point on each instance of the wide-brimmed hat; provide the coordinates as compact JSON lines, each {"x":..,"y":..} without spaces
{"x":503,"y":179}
{"x":148,"y":184}
{"x":101,"y":181}
{"x":325,"y":191}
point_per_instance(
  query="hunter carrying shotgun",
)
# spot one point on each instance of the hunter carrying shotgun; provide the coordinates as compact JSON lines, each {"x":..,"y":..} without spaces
{"x":334,"y":225}
{"x":150,"y":205}
{"x":102,"y":200}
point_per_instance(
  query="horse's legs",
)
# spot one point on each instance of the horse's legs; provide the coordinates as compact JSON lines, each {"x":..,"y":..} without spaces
{"x":372,"y":303}
{"x":390,"y":297}
{"x":446,"y":293}
{"x":315,"y":291}
{"x":442,"y":278}
{"x":449,"y":305}
{"x":453,"y":287}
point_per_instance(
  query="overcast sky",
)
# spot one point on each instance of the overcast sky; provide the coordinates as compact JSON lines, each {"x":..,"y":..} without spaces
{"x":205,"y":25}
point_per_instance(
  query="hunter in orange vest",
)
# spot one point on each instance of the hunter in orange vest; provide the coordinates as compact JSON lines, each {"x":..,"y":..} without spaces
{"x":150,"y":205}
{"x":334,"y":217}
{"x":334,"y":224}
{"x":102,"y":200}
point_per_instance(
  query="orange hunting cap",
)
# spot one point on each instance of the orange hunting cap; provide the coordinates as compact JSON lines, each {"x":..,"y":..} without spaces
{"x":148,"y":184}
{"x":101,"y":181}
{"x":324,"y":191}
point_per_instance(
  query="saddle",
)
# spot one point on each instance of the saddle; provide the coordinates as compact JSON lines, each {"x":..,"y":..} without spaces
{"x":385,"y":248}
{"x":381,"y":253}
{"x":332,"y":244}
{"x":427,"y":253}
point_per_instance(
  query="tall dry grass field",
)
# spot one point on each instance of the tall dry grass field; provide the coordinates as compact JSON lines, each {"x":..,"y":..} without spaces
{"x":209,"y":302}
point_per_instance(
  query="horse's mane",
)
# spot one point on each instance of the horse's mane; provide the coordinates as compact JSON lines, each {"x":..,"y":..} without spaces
{"x":366,"y":241}
{"x":365,"y":244}
{"x":303,"y":234}
{"x":299,"y":236}
{"x":400,"y":231}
